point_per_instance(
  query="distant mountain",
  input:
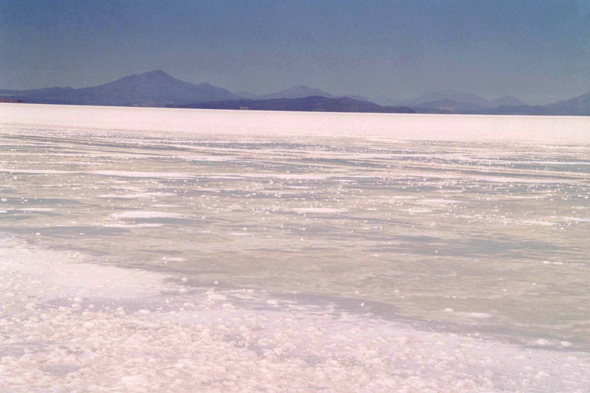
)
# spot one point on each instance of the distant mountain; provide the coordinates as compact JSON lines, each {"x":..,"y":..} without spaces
{"x":385,"y":101}
{"x":158,"y":89}
{"x":459,"y":101}
{"x":246,"y":94}
{"x":304,"y":104}
{"x":51,"y":95}
{"x":518,"y":110}
{"x":576,"y":106}
{"x":302,"y":92}
{"x":355,"y":97}
{"x":296,"y":92}
{"x":506,"y":101}
{"x":449,"y":106}
{"x":442,"y":95}
{"x":155,"y":88}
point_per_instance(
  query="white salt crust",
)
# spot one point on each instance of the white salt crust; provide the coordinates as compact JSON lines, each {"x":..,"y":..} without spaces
{"x":69,"y":326}
{"x":144,"y":214}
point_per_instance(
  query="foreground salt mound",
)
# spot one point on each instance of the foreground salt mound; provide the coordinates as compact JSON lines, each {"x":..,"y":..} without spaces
{"x":68,"y":326}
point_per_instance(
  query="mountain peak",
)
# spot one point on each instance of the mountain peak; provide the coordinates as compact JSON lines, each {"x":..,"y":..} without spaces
{"x":152,"y":88}
{"x":507,"y":101}
{"x":440,"y":95}
{"x":155,"y":73}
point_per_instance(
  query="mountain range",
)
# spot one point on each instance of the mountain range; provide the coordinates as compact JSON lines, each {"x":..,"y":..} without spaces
{"x":158,"y":89}
{"x":578,"y":106}
{"x":298,"y":92}
{"x":450,"y":101}
{"x":303,"y":104}
{"x":155,"y":88}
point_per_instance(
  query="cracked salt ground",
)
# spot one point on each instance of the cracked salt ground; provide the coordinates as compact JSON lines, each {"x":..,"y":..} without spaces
{"x":121,"y":330}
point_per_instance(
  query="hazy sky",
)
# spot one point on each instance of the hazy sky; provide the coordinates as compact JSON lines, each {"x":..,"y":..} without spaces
{"x":536,"y":50}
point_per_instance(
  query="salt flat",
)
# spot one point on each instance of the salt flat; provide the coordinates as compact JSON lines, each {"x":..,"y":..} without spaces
{"x":236,"y":251}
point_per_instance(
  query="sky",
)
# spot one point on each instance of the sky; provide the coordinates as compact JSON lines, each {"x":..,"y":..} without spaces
{"x":536,"y":50}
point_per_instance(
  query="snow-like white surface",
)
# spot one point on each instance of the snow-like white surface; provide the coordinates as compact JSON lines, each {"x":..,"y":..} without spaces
{"x":319,"y":210}
{"x":34,"y":171}
{"x":144,"y":214}
{"x":70,"y":326}
{"x":219,"y":122}
{"x":35,"y":209}
{"x":236,"y":210}
{"x":143,"y":225}
{"x":138,"y":195}
{"x":165,"y":175}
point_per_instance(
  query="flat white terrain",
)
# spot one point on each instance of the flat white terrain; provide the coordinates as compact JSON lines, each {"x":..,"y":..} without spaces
{"x":157,"y":250}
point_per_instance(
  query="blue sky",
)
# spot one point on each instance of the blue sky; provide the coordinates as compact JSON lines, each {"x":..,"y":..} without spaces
{"x":536,"y":50}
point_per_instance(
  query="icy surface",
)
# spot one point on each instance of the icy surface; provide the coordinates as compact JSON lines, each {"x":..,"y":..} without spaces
{"x":172,"y":250}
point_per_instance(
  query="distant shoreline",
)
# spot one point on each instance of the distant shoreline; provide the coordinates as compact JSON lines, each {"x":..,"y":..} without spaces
{"x":211,"y":106}
{"x":184,"y":121}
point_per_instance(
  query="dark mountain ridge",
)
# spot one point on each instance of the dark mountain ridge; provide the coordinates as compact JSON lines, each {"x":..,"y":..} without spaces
{"x":158,"y":89}
{"x":295,"y":92}
{"x":578,"y":106}
{"x":506,"y":101}
{"x":298,"y":92}
{"x":448,"y":106}
{"x":451,"y":95}
{"x":155,"y":88}
{"x":445,"y":97}
{"x":304,"y":104}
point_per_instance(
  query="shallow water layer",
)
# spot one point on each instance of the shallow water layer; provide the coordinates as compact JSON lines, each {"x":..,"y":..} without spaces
{"x":484,"y":234}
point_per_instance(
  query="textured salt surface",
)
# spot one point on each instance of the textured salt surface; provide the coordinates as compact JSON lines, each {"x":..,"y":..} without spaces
{"x":484,"y":240}
{"x":70,"y":326}
{"x":415,"y":127}
{"x":142,"y":174}
{"x":318,"y":210}
{"x":138,"y":195}
{"x":423,"y":226}
{"x":144,"y":214}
